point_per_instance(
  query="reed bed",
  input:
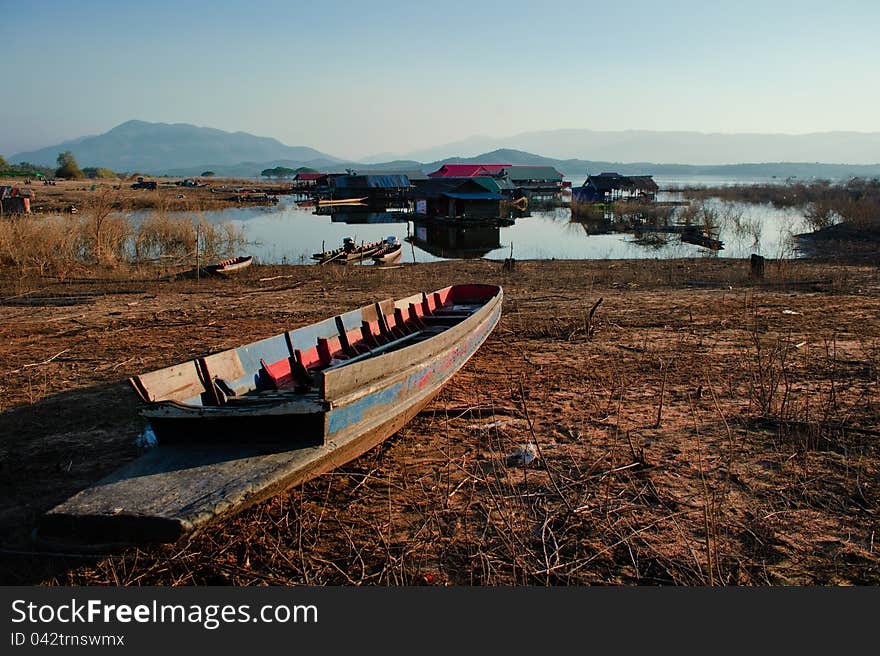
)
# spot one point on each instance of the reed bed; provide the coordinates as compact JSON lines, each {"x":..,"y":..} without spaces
{"x":856,"y":202}
{"x":103,"y":234}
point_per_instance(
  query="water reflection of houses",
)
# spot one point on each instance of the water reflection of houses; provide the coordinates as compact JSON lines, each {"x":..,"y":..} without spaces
{"x":366,"y":217}
{"x":594,"y":225}
{"x":463,"y":241}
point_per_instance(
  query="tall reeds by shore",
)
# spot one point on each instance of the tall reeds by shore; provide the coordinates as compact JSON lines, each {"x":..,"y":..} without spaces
{"x":105,"y":235}
{"x":856,"y":202}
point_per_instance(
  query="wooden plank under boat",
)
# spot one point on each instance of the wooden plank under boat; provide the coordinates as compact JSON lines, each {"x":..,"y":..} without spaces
{"x":238,"y":426}
{"x":231,"y":265}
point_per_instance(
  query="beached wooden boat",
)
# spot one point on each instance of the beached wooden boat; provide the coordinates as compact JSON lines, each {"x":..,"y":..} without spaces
{"x":235,"y":427}
{"x":390,"y":252}
{"x":349,"y":252}
{"x":231,"y":265}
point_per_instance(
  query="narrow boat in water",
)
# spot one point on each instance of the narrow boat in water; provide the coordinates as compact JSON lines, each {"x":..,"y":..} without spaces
{"x":236,"y":427}
{"x":390,"y":252}
{"x":349,"y":252}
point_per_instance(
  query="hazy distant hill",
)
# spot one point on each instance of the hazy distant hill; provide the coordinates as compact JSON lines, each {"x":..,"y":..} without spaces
{"x":581,"y":167}
{"x":159,"y":147}
{"x":252,"y":169}
{"x":573,"y":168}
{"x":691,"y":147}
{"x":184,"y":150}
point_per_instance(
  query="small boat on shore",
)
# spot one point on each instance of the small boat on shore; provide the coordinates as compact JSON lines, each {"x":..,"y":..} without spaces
{"x":390,"y":252}
{"x":232,"y":265}
{"x":349,"y":252}
{"x":235,"y":427}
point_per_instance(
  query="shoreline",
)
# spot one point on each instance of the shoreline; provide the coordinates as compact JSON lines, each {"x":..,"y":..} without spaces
{"x":60,"y":196}
{"x":653,"y":414}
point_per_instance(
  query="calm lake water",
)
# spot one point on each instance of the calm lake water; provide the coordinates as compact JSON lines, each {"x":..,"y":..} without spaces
{"x":287,"y":233}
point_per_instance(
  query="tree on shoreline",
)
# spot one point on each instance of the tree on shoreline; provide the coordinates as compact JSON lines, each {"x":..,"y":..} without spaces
{"x":68,"y":167}
{"x":278,"y":172}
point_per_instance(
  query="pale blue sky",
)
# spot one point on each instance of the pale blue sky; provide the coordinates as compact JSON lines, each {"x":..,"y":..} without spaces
{"x":357,"y":78}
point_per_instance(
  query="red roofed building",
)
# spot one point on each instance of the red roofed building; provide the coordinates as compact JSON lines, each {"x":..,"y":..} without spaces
{"x":468,"y":170}
{"x":309,"y":180}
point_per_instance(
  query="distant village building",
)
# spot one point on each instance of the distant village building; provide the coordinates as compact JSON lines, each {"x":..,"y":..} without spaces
{"x":14,"y":200}
{"x":308,"y":180}
{"x":533,"y":176}
{"x":468,"y":170}
{"x":376,"y":188}
{"x":535,"y":182}
{"x":457,"y":198}
{"x":608,"y":187}
{"x":412,"y":174}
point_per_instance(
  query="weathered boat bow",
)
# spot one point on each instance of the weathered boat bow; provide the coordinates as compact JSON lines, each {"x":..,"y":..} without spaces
{"x":238,"y":426}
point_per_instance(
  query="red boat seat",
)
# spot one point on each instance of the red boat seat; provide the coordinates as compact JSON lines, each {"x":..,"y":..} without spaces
{"x":416,"y":313}
{"x":330,"y":348}
{"x":279,"y":373}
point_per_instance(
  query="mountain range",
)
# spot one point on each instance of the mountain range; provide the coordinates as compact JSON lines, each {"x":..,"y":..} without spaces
{"x":157,"y":147}
{"x":681,"y":147}
{"x":185,"y":150}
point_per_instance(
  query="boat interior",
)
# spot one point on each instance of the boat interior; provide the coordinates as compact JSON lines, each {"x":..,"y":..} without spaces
{"x":292,"y":364}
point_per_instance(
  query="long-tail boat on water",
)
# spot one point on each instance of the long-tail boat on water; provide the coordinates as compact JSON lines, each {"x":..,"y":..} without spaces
{"x":350,"y":251}
{"x":390,"y":252}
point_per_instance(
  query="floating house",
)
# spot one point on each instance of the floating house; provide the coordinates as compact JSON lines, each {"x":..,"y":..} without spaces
{"x":527,"y":177}
{"x":468,"y":170}
{"x":377,"y":189}
{"x":308,"y":181}
{"x":535,"y":182}
{"x":457,"y":198}
{"x":412,"y":174}
{"x":608,"y":187}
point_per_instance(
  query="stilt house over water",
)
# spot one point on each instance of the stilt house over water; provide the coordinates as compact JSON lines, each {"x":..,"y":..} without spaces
{"x":608,"y":187}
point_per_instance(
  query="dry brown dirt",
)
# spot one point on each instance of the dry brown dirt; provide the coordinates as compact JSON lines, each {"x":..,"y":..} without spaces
{"x":700,"y":429}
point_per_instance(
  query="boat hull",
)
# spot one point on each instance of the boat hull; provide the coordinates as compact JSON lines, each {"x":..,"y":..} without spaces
{"x":176,"y":488}
{"x":171,"y":491}
{"x":230,"y":266}
{"x":389,"y":257}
